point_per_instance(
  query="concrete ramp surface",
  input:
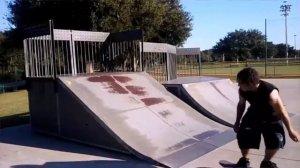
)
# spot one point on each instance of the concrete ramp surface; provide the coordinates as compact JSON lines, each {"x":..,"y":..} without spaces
{"x":132,"y":113}
{"x":216,"y":98}
{"x":289,"y":90}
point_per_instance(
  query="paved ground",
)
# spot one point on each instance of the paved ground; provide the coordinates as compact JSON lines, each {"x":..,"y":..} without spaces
{"x":21,"y":148}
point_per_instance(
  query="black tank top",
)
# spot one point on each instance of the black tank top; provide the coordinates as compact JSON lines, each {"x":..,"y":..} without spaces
{"x":260,"y":109}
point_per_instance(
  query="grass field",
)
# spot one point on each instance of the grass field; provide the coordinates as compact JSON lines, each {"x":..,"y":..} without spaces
{"x":13,"y":103}
{"x":14,"y":108}
{"x":229,"y":70}
{"x":272,"y":71}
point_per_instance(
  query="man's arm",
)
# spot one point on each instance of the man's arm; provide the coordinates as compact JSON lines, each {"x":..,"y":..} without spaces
{"x":239,"y":112}
{"x":277,"y":104}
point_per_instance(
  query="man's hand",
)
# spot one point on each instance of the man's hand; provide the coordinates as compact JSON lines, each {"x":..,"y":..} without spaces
{"x":294,"y":135}
{"x":236,"y":127}
{"x":240,"y":111}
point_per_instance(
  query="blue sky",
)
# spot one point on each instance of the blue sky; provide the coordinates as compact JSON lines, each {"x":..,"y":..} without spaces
{"x":3,"y":13}
{"x":213,"y":19}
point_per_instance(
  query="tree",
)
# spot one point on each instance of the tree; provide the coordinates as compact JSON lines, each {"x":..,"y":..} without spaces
{"x":71,"y":14}
{"x":11,"y":59}
{"x":281,"y":51}
{"x":3,"y":59}
{"x":272,"y":50}
{"x":240,"y":45}
{"x":161,"y":20}
{"x":114,"y":16}
{"x":207,"y":55}
{"x":171,"y":32}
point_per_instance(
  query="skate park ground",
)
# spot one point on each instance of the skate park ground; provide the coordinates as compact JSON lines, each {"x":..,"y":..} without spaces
{"x":22,"y":148}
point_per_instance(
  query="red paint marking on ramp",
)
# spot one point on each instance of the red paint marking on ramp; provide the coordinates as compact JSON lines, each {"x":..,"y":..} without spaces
{"x":116,"y":88}
{"x":113,"y":86}
{"x":136,"y":90}
{"x":152,"y":101}
{"x":101,"y":79}
{"x":122,"y":79}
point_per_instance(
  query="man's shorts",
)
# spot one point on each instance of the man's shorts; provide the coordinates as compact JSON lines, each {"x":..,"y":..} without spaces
{"x":249,"y":135}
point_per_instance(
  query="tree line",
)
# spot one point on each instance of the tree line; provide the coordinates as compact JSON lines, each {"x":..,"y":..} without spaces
{"x":242,"y":45}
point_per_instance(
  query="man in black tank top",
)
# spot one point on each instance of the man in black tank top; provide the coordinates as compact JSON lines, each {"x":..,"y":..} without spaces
{"x":264,"y":116}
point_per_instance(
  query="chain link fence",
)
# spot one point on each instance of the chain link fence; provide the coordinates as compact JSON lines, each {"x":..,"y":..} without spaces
{"x":273,"y":67}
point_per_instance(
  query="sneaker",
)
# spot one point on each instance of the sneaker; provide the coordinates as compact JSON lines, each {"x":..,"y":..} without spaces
{"x":268,"y":164}
{"x":243,"y":163}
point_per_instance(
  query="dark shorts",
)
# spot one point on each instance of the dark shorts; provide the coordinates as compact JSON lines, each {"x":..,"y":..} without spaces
{"x":249,"y":135}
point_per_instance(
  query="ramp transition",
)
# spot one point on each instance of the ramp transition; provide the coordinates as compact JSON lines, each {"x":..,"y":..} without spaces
{"x":127,"y":112}
{"x":215,"y":98}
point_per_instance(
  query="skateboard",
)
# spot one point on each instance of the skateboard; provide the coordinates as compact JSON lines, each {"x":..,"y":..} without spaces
{"x":227,"y":164}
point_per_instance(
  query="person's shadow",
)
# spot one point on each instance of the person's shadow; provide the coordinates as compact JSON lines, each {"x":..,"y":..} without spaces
{"x":87,"y":164}
{"x":227,"y":164}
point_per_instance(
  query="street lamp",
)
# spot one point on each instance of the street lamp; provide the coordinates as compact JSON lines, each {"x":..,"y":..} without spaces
{"x":295,"y":46}
{"x":285,"y":8}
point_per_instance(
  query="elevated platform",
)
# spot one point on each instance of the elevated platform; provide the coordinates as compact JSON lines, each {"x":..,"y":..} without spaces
{"x":126,"y":112}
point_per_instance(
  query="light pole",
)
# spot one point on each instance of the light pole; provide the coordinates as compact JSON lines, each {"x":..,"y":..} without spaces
{"x":266,"y":47}
{"x":285,"y":8}
{"x":295,"y":46}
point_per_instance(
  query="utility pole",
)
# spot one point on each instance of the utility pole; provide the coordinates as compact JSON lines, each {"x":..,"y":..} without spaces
{"x":285,"y":9}
{"x":266,"y":48}
{"x":295,"y":45}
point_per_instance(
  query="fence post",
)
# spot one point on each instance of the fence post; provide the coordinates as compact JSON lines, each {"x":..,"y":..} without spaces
{"x":266,"y":46}
{"x":142,"y":52}
{"x":73,"y":54}
{"x":199,"y":63}
{"x":51,"y":24}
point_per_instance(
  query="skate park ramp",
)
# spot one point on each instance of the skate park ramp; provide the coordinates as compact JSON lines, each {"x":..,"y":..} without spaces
{"x":215,"y":98}
{"x":131,"y":113}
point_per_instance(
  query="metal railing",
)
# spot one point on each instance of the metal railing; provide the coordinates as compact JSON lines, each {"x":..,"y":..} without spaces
{"x":70,"y":52}
{"x":188,"y":62}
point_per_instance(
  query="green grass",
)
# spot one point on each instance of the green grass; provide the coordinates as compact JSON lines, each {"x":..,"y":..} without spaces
{"x":14,"y":108}
{"x":274,"y":69}
{"x":12,"y":103}
{"x":271,"y":70}
{"x":232,"y":70}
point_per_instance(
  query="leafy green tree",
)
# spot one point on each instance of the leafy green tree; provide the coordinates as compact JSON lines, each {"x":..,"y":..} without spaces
{"x":272,"y":50}
{"x":161,"y":20}
{"x":281,"y":49}
{"x":11,"y":59}
{"x":3,"y":59}
{"x":240,"y":45}
{"x":207,"y":56}
{"x":71,"y":14}
{"x":176,"y":26}
{"x":114,"y":16}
